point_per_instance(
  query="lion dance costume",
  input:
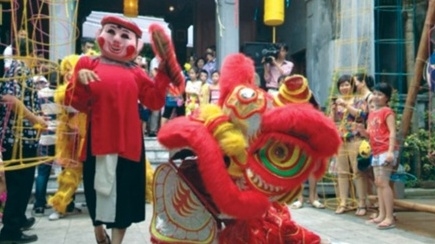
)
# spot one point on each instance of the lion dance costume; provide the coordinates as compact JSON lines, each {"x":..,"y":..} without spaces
{"x":70,"y":134}
{"x":244,"y":157}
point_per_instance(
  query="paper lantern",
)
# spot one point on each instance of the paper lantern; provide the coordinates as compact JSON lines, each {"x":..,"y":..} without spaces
{"x":131,"y":8}
{"x":273,"y":12}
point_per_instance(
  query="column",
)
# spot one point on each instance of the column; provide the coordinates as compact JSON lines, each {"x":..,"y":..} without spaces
{"x":227,"y":29}
{"x":62,"y":30}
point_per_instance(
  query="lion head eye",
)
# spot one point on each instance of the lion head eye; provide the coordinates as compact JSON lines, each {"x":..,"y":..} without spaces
{"x":280,"y":152}
{"x":283,"y":159}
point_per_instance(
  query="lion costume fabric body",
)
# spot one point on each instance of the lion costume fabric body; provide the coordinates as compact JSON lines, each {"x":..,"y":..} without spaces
{"x":244,"y":158}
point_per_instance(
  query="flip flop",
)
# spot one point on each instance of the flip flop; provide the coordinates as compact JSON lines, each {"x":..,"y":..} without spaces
{"x":372,"y":221}
{"x":386,"y":227}
{"x":375,"y":215}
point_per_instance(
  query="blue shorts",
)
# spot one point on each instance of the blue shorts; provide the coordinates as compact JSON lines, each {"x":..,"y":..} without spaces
{"x":144,"y":113}
{"x":379,"y":160}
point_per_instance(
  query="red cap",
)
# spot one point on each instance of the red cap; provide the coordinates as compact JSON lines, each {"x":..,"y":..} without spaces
{"x":128,"y":24}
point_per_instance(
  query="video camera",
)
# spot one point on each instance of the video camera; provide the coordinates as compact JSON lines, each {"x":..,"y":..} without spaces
{"x":270,"y":52}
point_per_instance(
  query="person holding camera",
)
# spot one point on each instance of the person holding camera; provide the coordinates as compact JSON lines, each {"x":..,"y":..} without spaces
{"x":275,"y":65}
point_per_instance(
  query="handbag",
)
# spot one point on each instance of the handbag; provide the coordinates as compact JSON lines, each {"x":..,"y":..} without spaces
{"x":364,"y":158}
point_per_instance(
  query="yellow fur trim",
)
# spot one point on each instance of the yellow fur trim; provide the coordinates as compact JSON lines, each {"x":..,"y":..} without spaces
{"x":230,"y":139}
{"x":149,"y":174}
{"x":68,"y":63}
{"x":68,"y":181}
{"x":70,"y":132}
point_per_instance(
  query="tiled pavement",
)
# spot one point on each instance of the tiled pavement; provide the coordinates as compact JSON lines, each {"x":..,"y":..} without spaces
{"x":341,"y":229}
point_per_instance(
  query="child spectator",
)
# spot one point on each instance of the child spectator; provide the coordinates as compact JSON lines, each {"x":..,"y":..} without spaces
{"x":46,"y":142}
{"x":174,"y":104}
{"x":381,"y":130}
{"x":210,"y":65}
{"x":210,"y":92}
{"x":204,"y":96}
{"x":193,"y":90}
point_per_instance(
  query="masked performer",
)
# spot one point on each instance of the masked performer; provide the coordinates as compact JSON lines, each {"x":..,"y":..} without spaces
{"x":107,"y":89}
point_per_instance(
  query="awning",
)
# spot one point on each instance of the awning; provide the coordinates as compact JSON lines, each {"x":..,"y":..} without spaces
{"x":92,"y":25}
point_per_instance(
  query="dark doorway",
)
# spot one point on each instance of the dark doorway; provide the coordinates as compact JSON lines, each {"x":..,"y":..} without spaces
{"x":300,"y":62}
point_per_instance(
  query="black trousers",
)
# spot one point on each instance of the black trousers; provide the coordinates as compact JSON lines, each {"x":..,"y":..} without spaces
{"x":19,"y":187}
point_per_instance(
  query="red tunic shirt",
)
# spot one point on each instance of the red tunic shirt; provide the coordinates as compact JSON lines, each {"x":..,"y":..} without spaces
{"x":378,"y":130}
{"x":111,"y":105}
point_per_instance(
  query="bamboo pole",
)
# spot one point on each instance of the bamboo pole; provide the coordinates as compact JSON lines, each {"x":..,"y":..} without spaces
{"x":420,"y":60}
{"x":414,"y":206}
{"x":409,"y":205}
{"x":409,"y":46}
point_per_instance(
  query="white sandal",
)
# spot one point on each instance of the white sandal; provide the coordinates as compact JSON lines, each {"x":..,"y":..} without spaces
{"x":318,"y":204}
{"x":297,"y":205}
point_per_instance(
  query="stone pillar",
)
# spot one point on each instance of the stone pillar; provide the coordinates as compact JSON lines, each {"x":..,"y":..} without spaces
{"x":62,"y":30}
{"x":227,"y":29}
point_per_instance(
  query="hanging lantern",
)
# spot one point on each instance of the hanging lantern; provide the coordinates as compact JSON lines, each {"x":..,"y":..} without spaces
{"x":131,"y":8}
{"x":273,"y":12}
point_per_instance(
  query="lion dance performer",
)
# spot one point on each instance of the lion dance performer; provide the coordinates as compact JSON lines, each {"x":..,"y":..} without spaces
{"x":243,"y":156}
{"x":70,"y":135}
{"x":107,"y":88}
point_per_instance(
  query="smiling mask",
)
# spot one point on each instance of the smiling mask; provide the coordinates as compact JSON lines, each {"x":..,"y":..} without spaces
{"x":119,"y":39}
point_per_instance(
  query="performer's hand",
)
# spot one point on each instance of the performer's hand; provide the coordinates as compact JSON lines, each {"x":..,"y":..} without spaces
{"x":85,"y":76}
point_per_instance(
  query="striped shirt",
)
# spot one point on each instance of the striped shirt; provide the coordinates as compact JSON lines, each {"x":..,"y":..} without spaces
{"x":50,"y":110}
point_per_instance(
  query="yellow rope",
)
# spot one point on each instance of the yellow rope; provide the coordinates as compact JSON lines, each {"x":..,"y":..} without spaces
{"x":35,"y":16}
